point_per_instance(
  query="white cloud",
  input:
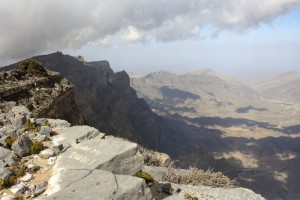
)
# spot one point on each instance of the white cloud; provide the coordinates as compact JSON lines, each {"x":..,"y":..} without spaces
{"x":33,"y":26}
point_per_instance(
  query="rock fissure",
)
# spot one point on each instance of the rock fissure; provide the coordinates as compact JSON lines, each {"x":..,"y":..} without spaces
{"x":115,"y":192}
{"x":90,"y":172}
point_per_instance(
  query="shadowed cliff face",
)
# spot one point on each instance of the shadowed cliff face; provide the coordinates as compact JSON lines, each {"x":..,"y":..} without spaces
{"x":109,"y":103}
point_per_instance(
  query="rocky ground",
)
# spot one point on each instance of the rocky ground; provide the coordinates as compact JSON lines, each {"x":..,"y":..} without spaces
{"x":48,"y":159}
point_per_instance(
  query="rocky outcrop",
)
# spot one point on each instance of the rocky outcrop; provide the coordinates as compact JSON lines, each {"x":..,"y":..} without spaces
{"x":82,"y":163}
{"x":103,"y":167}
{"x":45,"y":96}
{"x":109,"y":104}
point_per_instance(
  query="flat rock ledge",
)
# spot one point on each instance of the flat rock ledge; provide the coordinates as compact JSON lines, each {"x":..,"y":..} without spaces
{"x":91,"y":167}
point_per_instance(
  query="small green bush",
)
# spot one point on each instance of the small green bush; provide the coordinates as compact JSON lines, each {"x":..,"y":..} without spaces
{"x":46,"y":123}
{"x":9,"y":141}
{"x":36,"y":147}
{"x":8,"y":182}
{"x":4,"y":107}
{"x":32,"y":127}
{"x":18,"y":169}
{"x":189,"y":197}
{"x":144,"y":175}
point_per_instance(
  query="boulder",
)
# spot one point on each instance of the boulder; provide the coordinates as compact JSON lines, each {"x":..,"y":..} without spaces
{"x":20,"y":110}
{"x":20,"y":188}
{"x":45,"y":130}
{"x":47,"y":153}
{"x":7,"y":157}
{"x":97,"y":184}
{"x":5,"y":173}
{"x":22,"y":146}
{"x":27,"y":177}
{"x":58,"y":123}
{"x":76,"y":134}
{"x":119,"y":157}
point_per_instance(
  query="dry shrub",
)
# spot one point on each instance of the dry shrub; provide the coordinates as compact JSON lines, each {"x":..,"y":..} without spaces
{"x":172,"y":174}
{"x":195,"y":176}
{"x":152,"y":158}
{"x":207,"y":178}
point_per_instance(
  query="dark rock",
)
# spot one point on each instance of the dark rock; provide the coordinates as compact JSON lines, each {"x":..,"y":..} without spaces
{"x":169,"y":189}
{"x":58,"y":147}
{"x":22,"y":146}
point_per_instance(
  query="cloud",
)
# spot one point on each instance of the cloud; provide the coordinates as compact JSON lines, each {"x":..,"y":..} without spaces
{"x":34,"y":26}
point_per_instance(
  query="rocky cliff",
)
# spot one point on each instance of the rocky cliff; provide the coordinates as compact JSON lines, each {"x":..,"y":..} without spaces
{"x":46,"y":95}
{"x":109,"y":103}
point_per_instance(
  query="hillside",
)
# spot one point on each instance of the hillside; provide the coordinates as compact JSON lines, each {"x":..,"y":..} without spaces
{"x":259,"y":138}
{"x":282,"y":88}
{"x":204,"y":91}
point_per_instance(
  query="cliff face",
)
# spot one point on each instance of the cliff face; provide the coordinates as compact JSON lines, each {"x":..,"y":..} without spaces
{"x":49,"y":96}
{"x":109,"y":104}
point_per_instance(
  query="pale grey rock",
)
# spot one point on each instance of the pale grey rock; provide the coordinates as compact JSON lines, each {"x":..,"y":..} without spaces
{"x":31,"y":167}
{"x":20,"y":188}
{"x":120,"y":157}
{"x":8,"y":130}
{"x":19,"y":121}
{"x":51,"y":160}
{"x":45,"y":130}
{"x":9,"y":197}
{"x":40,"y":188}
{"x":42,"y":184}
{"x":58,"y":123}
{"x":22,"y":145}
{"x":47,"y":153}
{"x":38,"y":191}
{"x":21,"y":110}
{"x":27,"y":177}
{"x":77,"y":134}
{"x":209,"y":193}
{"x":7,"y":157}
{"x":98,"y":184}
{"x":41,"y":138}
{"x":40,"y":121}
{"x":5,"y":173}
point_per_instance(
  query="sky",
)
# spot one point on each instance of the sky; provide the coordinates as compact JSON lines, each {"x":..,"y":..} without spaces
{"x":237,"y":37}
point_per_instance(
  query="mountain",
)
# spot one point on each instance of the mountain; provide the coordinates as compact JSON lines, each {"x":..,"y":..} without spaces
{"x":282,"y":88}
{"x":234,"y":124}
{"x":203,"y":91}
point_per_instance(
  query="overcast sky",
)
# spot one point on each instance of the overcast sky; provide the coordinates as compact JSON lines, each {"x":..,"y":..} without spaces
{"x":233,"y":36}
